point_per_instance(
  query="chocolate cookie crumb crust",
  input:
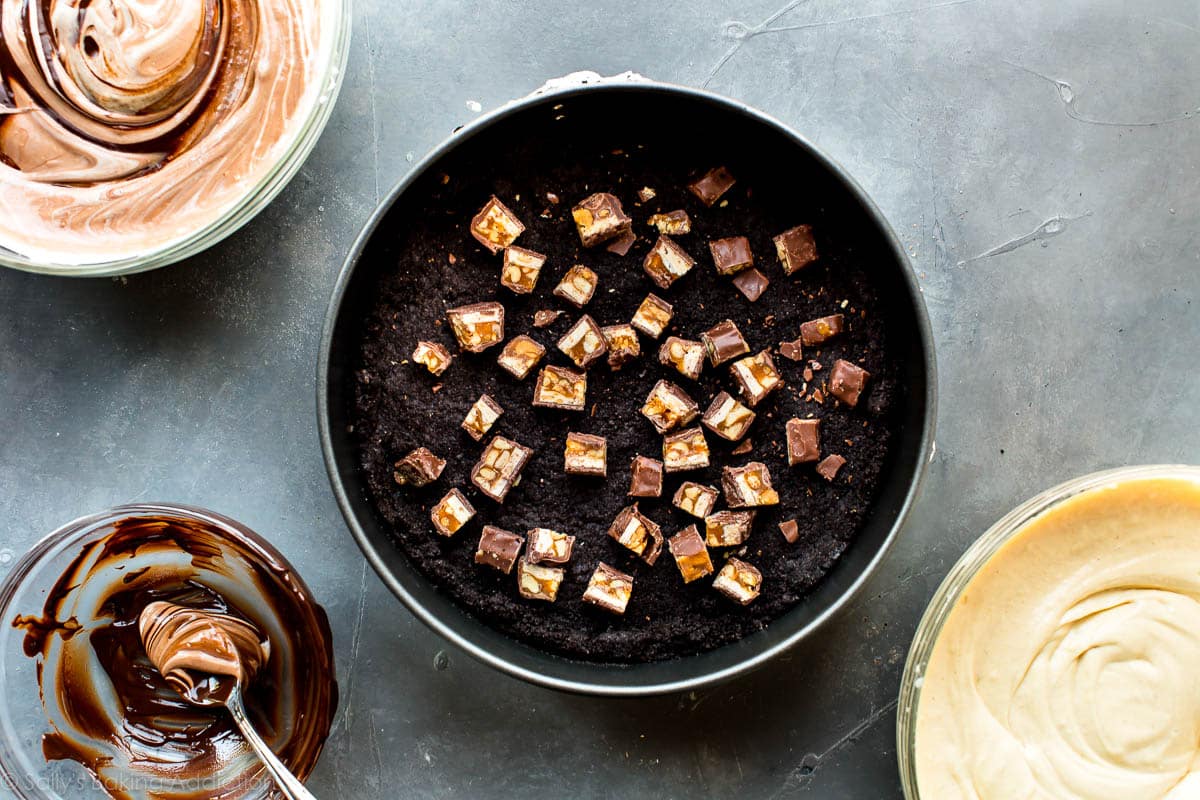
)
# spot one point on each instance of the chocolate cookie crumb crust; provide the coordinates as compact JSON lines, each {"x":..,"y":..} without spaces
{"x":399,"y":406}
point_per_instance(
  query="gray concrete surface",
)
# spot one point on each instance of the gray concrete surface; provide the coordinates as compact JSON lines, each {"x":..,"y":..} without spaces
{"x":1041,"y":162}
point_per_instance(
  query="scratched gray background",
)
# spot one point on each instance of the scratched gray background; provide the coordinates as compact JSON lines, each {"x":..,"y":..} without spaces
{"x":1040,"y":161}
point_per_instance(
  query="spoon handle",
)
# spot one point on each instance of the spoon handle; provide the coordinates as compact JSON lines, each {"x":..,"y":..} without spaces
{"x":291,"y":787}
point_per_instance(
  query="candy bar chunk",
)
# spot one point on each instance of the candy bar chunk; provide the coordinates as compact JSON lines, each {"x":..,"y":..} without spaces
{"x":727,"y":528}
{"x":739,"y":581}
{"x":756,"y":377}
{"x":803,"y":441}
{"x":600,"y":218}
{"x":637,"y":533}
{"x":653,"y":316}
{"x":499,"y":467}
{"x":537,"y":581}
{"x":820,"y":330}
{"x":433,"y":356}
{"x":731,"y":255}
{"x":418,"y":468}
{"x":751,"y":283}
{"x":646,"y":477}
{"x":577,"y":286}
{"x":646,"y":194}
{"x":790,"y":530}
{"x":609,"y":589}
{"x":672,"y":223}
{"x":711,"y":185}
{"x":748,"y":485}
{"x":792,"y":351}
{"x":728,"y":418}
{"x":561,"y":388}
{"x":796,"y":248}
{"x":667,"y":262}
{"x":521,"y":269}
{"x":623,"y":344}
{"x":685,"y":450}
{"x":584,"y":342}
{"x":668,"y":407}
{"x":545,"y":317}
{"x":496,"y":226}
{"x":830,"y":466}
{"x":691,"y":554}
{"x":549,"y":547}
{"x":621,"y":244}
{"x":847,"y":381}
{"x":482,"y":417}
{"x":744,"y":446}
{"x":586,"y":455}
{"x":451,"y":513}
{"x":686,"y":356}
{"x":723,"y":342}
{"x":498,"y":548}
{"x":695,"y":499}
{"x":520,"y":356}
{"x":477,"y":327}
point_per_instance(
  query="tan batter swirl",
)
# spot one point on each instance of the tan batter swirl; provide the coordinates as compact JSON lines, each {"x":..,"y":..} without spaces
{"x":126,"y":125}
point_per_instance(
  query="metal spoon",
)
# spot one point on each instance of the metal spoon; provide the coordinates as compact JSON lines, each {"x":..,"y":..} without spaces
{"x":288,"y":783}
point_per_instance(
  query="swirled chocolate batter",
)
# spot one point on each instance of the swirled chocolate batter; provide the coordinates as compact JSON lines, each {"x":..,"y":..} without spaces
{"x":125,"y":125}
{"x":205,"y":602}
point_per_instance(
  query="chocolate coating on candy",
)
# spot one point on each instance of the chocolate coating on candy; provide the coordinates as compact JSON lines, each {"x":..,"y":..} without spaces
{"x":695,"y":499}
{"x":496,"y":226}
{"x":520,"y":356}
{"x":748,"y":485}
{"x":498,"y":548}
{"x":481,"y":417}
{"x":549,"y":547}
{"x":731,"y":255}
{"x":790,"y":530}
{"x":521,"y":269}
{"x":418,"y":468}
{"x":830,"y":466}
{"x":600,"y":218}
{"x":586,"y":454}
{"x":477,"y":327}
{"x":685,"y":355}
{"x":646,"y":477}
{"x":667,"y":262}
{"x":796,"y":248}
{"x":584,"y":343}
{"x":577,"y":286}
{"x":653,"y":316}
{"x":847,"y":381}
{"x":499,"y":467}
{"x":451,"y":513}
{"x":739,"y":581}
{"x":728,"y":418}
{"x":668,"y":407}
{"x":724,"y":341}
{"x":685,"y":450}
{"x":756,"y":376}
{"x":712,"y":184}
{"x":638,"y":533}
{"x":691,"y":554}
{"x":623,"y":344}
{"x":820,"y":330}
{"x":728,"y":528}
{"x":433,"y":356}
{"x":561,"y":388}
{"x":803,"y":441}
{"x":609,"y":588}
{"x":751,"y":283}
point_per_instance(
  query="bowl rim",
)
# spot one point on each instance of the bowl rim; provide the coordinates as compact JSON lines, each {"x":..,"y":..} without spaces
{"x":550,"y":94}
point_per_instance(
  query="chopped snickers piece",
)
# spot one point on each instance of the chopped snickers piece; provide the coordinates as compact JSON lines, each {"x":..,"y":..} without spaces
{"x":549,"y":547}
{"x":623,"y":344}
{"x":451,"y":513}
{"x":653,"y":316}
{"x":646,"y":194}
{"x":685,"y":450}
{"x":803,"y":441}
{"x":477,"y":327}
{"x":724,"y":341}
{"x":796,"y":248}
{"x":637,"y":533}
{"x":521,"y":269}
{"x":691,"y":554}
{"x":790,"y":530}
{"x":584,"y":342}
{"x":646,"y":477}
{"x":749,"y":485}
{"x":738,"y":581}
{"x":727,"y":528}
{"x":482,"y":417}
{"x":621,"y":244}
{"x":600,"y":218}
{"x":756,"y":377}
{"x":500,"y":467}
{"x":745,"y":446}
{"x":817,"y":331}
{"x":537,"y":581}
{"x":751,"y":283}
{"x":685,"y":355}
{"x":728,"y":418}
{"x":418,"y":468}
{"x":668,"y":407}
{"x":793,"y":351}
{"x":711,"y":185}
{"x":561,"y":388}
{"x":695,"y":499}
{"x":545,"y":318}
{"x":829,"y":467}
{"x":731,"y":255}
{"x":433,"y":356}
{"x":586,"y":455}
{"x":673,"y":223}
{"x":667,"y":262}
{"x":520,"y":356}
{"x":609,"y":589}
{"x":577,"y":286}
{"x":847,"y":381}
{"x":496,"y":226}
{"x":498,"y":548}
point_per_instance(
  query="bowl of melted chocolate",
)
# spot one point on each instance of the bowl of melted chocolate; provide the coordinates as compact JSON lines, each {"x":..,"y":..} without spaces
{"x":626,"y":388}
{"x":94,"y":611}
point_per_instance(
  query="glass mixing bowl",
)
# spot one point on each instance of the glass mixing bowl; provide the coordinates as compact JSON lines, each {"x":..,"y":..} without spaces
{"x":23,"y":721}
{"x":978,"y":554}
{"x":329,"y":74}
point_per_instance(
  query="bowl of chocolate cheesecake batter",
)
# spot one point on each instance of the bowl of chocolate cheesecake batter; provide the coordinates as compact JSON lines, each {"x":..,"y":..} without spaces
{"x":133,"y":135}
{"x":85,"y":712}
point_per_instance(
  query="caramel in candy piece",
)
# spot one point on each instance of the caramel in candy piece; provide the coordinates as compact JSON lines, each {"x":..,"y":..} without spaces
{"x":691,"y":554}
{"x":520,"y":356}
{"x":481,"y":417}
{"x":669,"y":407}
{"x":586,"y":455}
{"x":561,"y":388}
{"x":738,"y":581}
{"x":521,"y":269}
{"x":538,"y":581}
{"x":451,"y":513}
{"x":578,"y":285}
{"x":685,"y":450}
{"x":477,"y":327}
{"x":748,"y":485}
{"x":653,"y":316}
{"x":609,"y":589}
{"x":496,"y":226}
{"x":695,"y":499}
{"x":600,"y":218}
{"x":432,"y":356}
